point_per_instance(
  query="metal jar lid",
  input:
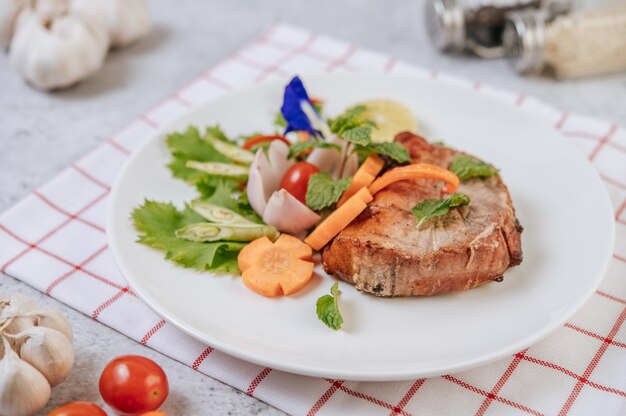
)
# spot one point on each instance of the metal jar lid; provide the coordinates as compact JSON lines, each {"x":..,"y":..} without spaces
{"x":524,"y":41}
{"x":446,"y":24}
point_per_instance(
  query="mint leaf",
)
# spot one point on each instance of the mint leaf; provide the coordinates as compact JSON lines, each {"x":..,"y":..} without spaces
{"x":468,"y":167}
{"x":393,"y":150}
{"x":323,"y":191}
{"x":327,"y":309}
{"x":187,"y":146}
{"x":157,"y":223}
{"x":351,"y":118}
{"x":298,"y":147}
{"x":361,"y":135}
{"x":431,"y":208}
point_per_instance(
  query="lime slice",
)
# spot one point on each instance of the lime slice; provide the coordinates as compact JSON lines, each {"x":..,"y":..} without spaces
{"x":391,"y":118}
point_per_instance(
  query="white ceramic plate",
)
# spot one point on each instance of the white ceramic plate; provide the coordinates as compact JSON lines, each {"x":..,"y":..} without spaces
{"x":560,"y":201}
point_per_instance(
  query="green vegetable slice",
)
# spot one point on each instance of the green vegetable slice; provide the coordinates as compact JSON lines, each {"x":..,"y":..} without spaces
{"x":468,"y":167}
{"x":220,"y":169}
{"x":218,"y":214}
{"x":157,"y":224}
{"x":231,"y":151}
{"x":186,"y":146}
{"x":327,"y":308}
{"x":322,"y":191}
{"x":209,"y":232}
{"x":431,"y":208}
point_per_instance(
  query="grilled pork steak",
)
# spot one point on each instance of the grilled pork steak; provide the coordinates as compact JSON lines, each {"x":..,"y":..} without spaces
{"x":382,"y":252}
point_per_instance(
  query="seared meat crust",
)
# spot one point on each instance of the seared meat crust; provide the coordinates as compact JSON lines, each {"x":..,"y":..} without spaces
{"x":381,"y":252}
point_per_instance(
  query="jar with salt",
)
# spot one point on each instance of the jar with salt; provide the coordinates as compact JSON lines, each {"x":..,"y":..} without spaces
{"x":476,"y":26}
{"x":584,"y":43}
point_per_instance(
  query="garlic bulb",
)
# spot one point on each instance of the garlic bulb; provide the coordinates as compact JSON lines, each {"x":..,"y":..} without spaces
{"x":55,"y":48}
{"x":14,"y":316}
{"x":53,"y":319}
{"x":36,"y":353}
{"x":49,"y":351}
{"x":23,"y":390}
{"x":9,"y":9}
{"x":127,"y":21}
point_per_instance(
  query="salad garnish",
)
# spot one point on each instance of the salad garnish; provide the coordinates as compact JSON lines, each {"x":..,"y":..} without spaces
{"x":261,"y":194}
{"x":327,"y":308}
{"x":323,"y":192}
{"x":468,"y":167}
{"x":275,"y":269}
{"x":431,"y":208}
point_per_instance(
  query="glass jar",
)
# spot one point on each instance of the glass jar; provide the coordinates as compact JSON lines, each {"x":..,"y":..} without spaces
{"x":580,"y":44}
{"x":477,"y":25}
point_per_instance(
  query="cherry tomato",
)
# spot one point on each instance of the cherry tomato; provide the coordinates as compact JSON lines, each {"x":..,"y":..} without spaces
{"x":132,"y":384}
{"x":253,"y":141}
{"x":78,"y":409}
{"x":296,"y":179}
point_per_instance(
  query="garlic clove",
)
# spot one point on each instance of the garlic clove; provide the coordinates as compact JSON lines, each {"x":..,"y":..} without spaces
{"x":60,"y":51}
{"x":23,"y":390}
{"x":49,"y":351}
{"x":289,"y":215}
{"x":53,"y":319}
{"x":126,"y":21}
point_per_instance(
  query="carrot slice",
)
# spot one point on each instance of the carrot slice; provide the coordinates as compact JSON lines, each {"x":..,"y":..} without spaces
{"x":416,"y":171}
{"x":295,"y":246}
{"x":275,"y":269}
{"x":363,"y":177}
{"x":339,"y":219}
{"x":253,"y":141}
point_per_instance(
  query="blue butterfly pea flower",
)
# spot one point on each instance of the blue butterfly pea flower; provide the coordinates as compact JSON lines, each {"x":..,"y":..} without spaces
{"x":294,"y":100}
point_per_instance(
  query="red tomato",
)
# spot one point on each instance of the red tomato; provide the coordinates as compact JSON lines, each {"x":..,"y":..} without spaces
{"x":253,"y":141}
{"x":132,"y":384}
{"x":296,"y":179}
{"x":78,"y":409}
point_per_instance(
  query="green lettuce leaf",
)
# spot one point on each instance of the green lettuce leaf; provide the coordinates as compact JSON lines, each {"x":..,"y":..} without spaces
{"x":187,"y":146}
{"x":327,"y":308}
{"x":431,"y":208}
{"x":157,"y":224}
{"x":322,"y":191}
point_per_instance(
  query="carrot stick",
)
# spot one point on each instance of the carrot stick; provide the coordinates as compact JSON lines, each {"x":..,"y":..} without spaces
{"x":363,"y":177}
{"x":415,"y":171}
{"x":339,"y":219}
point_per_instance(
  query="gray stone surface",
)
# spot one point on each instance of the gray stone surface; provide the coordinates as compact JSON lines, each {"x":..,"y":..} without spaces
{"x":42,"y":133}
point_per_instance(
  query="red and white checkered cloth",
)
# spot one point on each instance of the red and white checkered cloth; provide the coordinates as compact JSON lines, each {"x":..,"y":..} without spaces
{"x":54,"y":240}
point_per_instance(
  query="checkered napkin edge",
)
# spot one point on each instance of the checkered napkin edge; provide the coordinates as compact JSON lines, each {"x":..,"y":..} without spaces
{"x":54,"y":240}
